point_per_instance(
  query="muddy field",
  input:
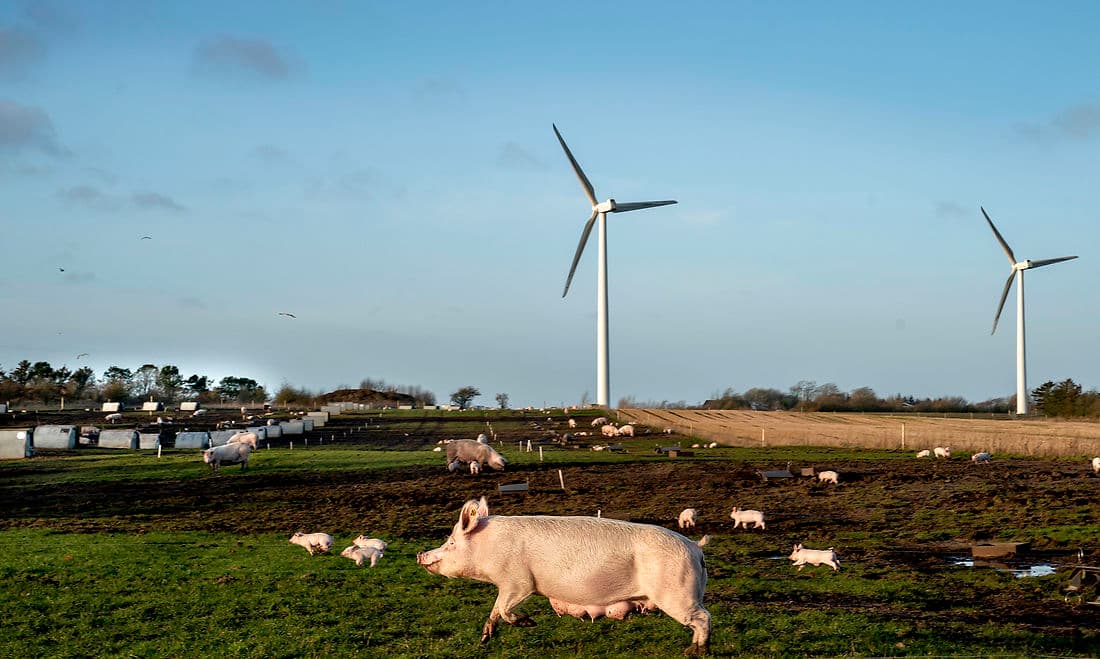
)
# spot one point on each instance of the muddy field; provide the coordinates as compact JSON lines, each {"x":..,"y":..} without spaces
{"x":914,"y":516}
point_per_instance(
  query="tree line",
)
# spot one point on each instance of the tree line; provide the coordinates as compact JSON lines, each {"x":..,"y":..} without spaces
{"x":42,"y":382}
{"x":1065,"y":399}
{"x":808,"y":396}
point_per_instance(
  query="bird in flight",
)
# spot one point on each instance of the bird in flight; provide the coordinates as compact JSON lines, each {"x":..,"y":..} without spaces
{"x":146,"y":237}
{"x":61,"y":269}
{"x":83,"y":354}
{"x":288,"y":315}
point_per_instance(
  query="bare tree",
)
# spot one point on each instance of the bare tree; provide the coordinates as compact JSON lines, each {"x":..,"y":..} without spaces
{"x":502,"y":400}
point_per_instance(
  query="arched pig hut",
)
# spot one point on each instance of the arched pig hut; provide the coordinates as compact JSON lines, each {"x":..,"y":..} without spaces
{"x":193,"y":439}
{"x":16,"y":444}
{"x":56,"y":437}
{"x":118,"y":439}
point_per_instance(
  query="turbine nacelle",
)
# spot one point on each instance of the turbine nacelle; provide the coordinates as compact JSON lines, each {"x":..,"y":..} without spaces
{"x":605,"y":206}
{"x":1022,"y":265}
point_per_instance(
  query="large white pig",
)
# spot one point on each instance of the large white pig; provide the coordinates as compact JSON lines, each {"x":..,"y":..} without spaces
{"x":468,"y":450}
{"x":583,"y":565}
{"x":249,"y":438}
{"x":229,"y":454}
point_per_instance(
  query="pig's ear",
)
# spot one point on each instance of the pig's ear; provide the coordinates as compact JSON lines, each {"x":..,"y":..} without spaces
{"x":468,"y":518}
{"x":483,"y":507}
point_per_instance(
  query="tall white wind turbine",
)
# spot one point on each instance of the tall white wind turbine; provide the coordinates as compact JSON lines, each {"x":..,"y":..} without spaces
{"x":1018,"y":268}
{"x":599,"y":211}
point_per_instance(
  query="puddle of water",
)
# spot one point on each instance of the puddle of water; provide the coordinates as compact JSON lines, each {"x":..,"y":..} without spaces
{"x":1018,"y":571}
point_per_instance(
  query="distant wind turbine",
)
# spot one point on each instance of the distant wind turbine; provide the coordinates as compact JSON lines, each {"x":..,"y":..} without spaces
{"x":600,"y":209}
{"x":1017,"y":271}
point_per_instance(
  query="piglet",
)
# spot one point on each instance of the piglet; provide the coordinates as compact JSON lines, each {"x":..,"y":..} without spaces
{"x":314,"y":543}
{"x":362,"y":554}
{"x":801,"y":556}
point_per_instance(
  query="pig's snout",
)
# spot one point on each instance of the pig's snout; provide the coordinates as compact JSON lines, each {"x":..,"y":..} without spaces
{"x":428,"y":559}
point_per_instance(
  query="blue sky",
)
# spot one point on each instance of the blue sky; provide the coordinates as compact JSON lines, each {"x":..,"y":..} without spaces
{"x":388,"y":173}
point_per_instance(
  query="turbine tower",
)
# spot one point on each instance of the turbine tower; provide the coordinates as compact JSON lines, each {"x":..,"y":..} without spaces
{"x":1017,"y":271}
{"x":600,"y":209}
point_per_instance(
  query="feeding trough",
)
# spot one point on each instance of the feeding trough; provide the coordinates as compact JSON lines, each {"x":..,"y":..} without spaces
{"x":671,"y":451}
{"x":776,"y":474}
{"x":1084,"y":581}
{"x":513,"y":487}
{"x":999,"y":549}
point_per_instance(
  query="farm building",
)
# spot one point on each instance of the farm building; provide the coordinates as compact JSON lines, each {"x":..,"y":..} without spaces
{"x":151,"y":406}
{"x":3,"y":408}
{"x":57,"y":437}
{"x":274,"y":431}
{"x":148,"y":440}
{"x":199,"y":440}
{"x":261,"y":431}
{"x":307,"y":424}
{"x":16,"y":444}
{"x":111,"y":407}
{"x":118,"y":439}
{"x":292,"y":427}
{"x":189,"y":406}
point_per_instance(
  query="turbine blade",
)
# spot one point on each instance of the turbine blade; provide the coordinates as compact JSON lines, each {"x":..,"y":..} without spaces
{"x":1000,"y":238}
{"x":622,"y":207}
{"x":588,"y":191}
{"x":580,"y":248}
{"x":1041,"y":262}
{"x":1004,"y":296}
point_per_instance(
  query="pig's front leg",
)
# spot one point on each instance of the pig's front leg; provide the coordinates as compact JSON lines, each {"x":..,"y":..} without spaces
{"x":502,"y":609}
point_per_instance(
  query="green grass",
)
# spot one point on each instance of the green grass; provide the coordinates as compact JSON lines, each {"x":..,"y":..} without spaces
{"x":210,"y":594}
{"x":192,"y":593}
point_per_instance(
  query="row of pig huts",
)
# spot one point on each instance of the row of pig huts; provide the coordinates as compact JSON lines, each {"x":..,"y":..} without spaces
{"x":22,"y":442}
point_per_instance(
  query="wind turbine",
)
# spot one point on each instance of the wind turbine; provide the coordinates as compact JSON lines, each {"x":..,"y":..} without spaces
{"x":1018,"y":268}
{"x":600,"y":209}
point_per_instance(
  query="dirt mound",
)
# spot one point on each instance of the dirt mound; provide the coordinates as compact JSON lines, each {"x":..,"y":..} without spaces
{"x":369,"y":396}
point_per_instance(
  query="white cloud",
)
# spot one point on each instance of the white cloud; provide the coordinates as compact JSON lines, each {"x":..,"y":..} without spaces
{"x":1076,"y":123}
{"x":156,"y":201}
{"x":234,"y":57}
{"x":25,"y":127}
{"x":949,"y":209}
{"x":513,"y":157}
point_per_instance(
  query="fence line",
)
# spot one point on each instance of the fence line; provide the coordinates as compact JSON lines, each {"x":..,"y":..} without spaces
{"x":1030,"y":437}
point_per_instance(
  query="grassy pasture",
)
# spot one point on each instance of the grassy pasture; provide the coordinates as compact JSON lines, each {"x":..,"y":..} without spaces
{"x":117,"y":553}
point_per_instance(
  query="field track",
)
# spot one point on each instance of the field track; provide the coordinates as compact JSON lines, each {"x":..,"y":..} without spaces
{"x":1031,"y":437}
